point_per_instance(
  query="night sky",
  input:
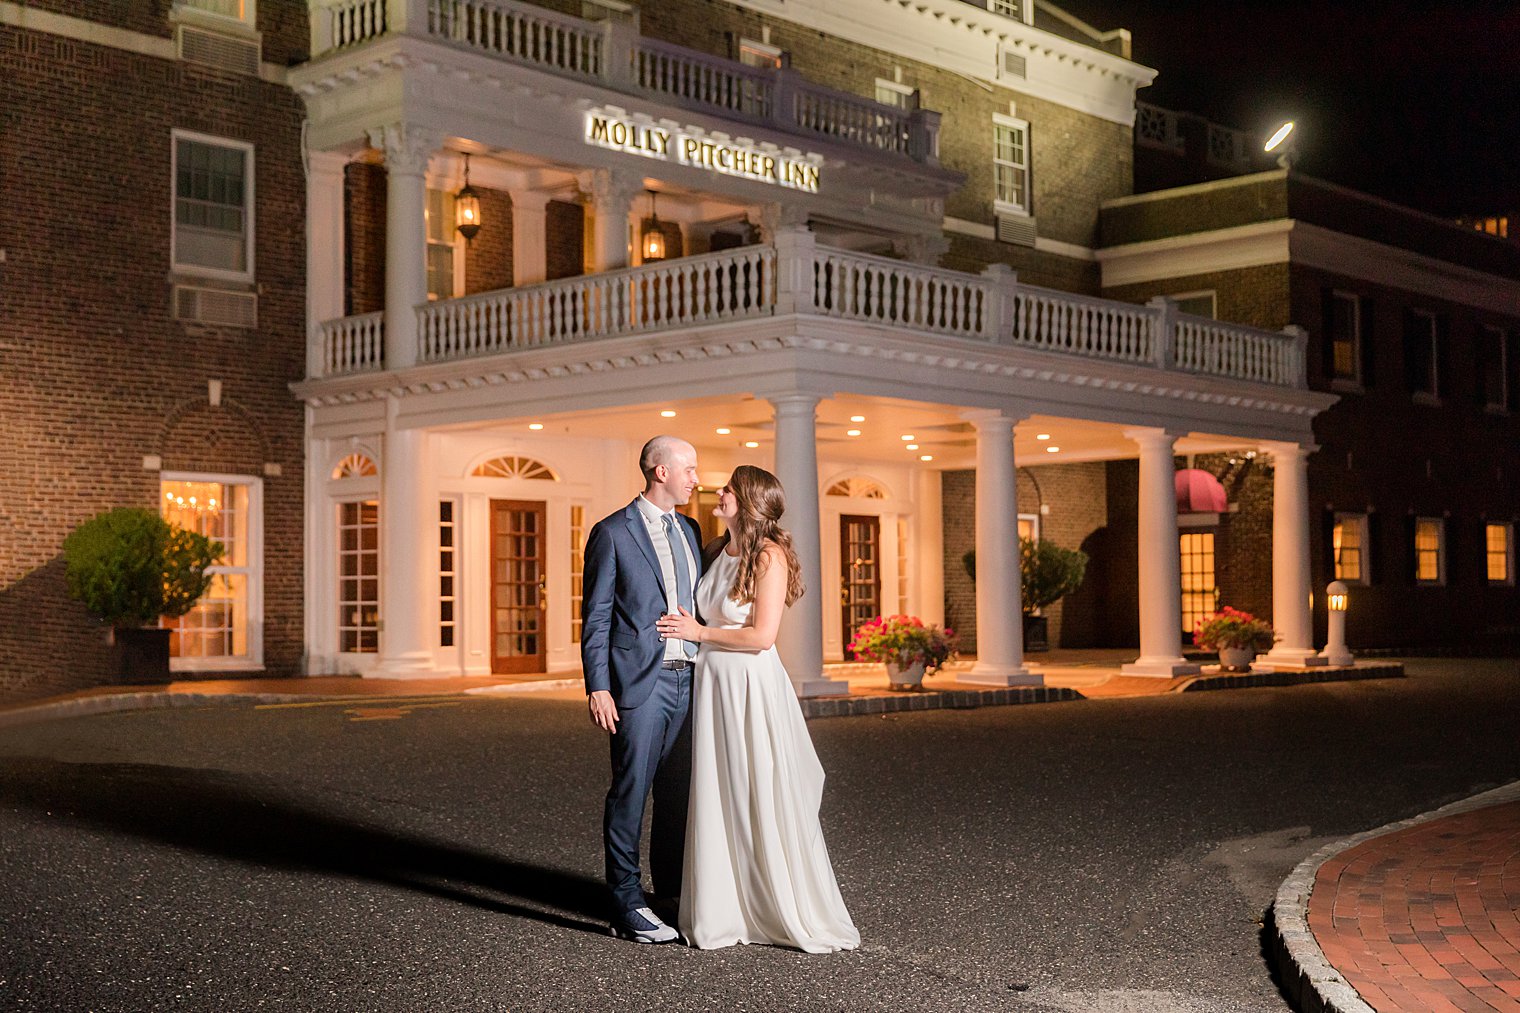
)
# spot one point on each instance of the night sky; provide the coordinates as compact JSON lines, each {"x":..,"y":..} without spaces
{"x":1417,"y":103}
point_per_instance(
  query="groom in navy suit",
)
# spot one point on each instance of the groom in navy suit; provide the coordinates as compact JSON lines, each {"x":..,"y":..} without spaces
{"x":643,"y":562}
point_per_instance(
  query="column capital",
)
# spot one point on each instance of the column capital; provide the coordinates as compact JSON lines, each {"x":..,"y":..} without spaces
{"x":524,"y":199}
{"x":1152,"y":436}
{"x":612,"y":186}
{"x":1281,"y":451}
{"x":326,"y":163}
{"x":408,"y":148}
{"x":991,"y":418}
{"x":799,"y":402}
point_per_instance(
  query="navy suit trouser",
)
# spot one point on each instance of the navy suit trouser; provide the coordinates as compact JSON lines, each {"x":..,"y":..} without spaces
{"x":651,"y":751}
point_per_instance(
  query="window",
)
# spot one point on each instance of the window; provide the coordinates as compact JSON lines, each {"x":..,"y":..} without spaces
{"x":1200,"y":592}
{"x":893,"y":93}
{"x":902,"y":565}
{"x":1420,"y":356}
{"x":1199,"y":304}
{"x":241,"y":11}
{"x":1343,"y":333}
{"x":1499,"y":544}
{"x":1493,"y":351}
{"x":1010,"y":163}
{"x":577,"y":568}
{"x":447,"y":566}
{"x":1029,"y":527}
{"x":359,"y":577}
{"x":761,"y":54}
{"x":440,"y":244}
{"x":213,"y":195}
{"x":1014,"y":9}
{"x":1429,"y":550}
{"x":1349,"y":543}
{"x":221,"y":631}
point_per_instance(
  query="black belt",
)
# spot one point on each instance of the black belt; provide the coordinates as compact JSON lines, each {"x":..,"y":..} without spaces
{"x":675,"y":666}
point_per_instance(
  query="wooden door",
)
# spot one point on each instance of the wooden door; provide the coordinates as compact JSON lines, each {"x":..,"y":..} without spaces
{"x":518,"y":589}
{"x":859,"y":573}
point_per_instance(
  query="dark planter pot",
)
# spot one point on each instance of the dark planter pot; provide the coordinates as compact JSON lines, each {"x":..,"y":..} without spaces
{"x":140,"y":655}
{"x":1036,"y":634}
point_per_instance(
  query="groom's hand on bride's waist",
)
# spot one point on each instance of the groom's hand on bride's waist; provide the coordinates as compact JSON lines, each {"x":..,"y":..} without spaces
{"x":603,"y":711}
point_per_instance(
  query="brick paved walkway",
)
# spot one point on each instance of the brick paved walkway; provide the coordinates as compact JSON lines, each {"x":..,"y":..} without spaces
{"x":1425,"y":918}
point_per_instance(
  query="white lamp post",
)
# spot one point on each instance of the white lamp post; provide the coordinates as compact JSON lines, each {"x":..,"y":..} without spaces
{"x":1335,"y":651}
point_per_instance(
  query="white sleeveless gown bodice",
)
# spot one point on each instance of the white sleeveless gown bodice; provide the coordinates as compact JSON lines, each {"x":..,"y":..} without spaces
{"x":757,"y":870}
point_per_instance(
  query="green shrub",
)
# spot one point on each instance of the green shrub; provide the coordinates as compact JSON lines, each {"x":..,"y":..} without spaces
{"x":1049,"y":572}
{"x":129,"y":566}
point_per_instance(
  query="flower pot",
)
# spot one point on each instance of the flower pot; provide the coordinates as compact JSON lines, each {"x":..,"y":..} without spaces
{"x":140,"y":655}
{"x":1036,"y":634}
{"x":908,"y":679}
{"x":1235,"y":659}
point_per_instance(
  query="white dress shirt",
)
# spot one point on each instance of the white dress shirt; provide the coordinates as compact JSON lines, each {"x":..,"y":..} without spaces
{"x":654,"y":521}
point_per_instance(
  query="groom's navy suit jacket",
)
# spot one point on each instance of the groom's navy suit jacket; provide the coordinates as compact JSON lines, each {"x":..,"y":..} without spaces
{"x":623,"y":594}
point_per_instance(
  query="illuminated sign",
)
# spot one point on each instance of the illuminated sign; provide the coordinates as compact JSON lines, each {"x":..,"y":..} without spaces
{"x":764,"y":163}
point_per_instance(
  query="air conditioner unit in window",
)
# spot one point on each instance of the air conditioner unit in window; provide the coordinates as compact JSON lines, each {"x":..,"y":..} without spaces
{"x":1016,"y":229}
{"x":213,"y":49}
{"x":216,"y":306}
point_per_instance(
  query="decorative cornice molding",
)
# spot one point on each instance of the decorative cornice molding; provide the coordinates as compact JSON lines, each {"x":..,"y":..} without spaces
{"x":408,"y":147}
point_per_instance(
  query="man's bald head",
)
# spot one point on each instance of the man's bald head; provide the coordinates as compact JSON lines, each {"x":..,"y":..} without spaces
{"x":669,"y":465}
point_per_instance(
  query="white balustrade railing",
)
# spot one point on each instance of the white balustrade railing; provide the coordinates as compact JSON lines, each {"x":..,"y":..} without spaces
{"x":797,"y":276}
{"x":534,"y":35}
{"x":353,"y":344}
{"x":1204,"y":345}
{"x":1065,"y":322}
{"x":697,"y":79}
{"x":687,"y":292}
{"x":884,"y":291}
{"x":846,"y":117}
{"x":348,"y":23}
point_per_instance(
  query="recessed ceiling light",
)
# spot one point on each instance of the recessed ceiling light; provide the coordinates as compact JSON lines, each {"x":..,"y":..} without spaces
{"x":724,"y":431}
{"x":535,"y":425}
{"x":857,"y":418}
{"x":912,"y":446}
{"x":1052,"y":450}
{"x":926,"y":457}
{"x":908,"y":437}
{"x":852,"y":432}
{"x":751,"y":444}
{"x":667,"y":414}
{"x":1042,"y":436}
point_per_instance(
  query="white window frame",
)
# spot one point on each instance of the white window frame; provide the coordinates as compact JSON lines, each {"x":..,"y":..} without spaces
{"x":1431,"y":395}
{"x":1213,"y":297}
{"x":1495,"y":332}
{"x":202,"y":10}
{"x":1440,"y":578}
{"x":456,"y":245}
{"x":769,"y":57}
{"x":253,"y":661}
{"x":999,"y":205}
{"x":249,"y":206}
{"x":1021,"y":9}
{"x":339,"y":501}
{"x":456,"y":528}
{"x":902,"y":94}
{"x":1354,"y":381}
{"x":1509,"y":553}
{"x":1364,"y":533}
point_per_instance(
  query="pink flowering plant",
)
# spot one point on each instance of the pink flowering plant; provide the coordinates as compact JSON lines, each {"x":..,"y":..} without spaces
{"x":1231,"y":627}
{"x":905,"y":641}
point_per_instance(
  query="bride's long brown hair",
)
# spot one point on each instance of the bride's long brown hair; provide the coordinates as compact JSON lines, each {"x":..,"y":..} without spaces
{"x":760,"y":503}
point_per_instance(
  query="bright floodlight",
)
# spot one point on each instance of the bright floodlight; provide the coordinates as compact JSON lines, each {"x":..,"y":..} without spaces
{"x":1280,"y":136}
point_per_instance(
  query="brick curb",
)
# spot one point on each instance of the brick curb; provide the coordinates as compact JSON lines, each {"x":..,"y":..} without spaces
{"x":1290,"y":677}
{"x":1311,"y":981}
{"x":929,"y":700}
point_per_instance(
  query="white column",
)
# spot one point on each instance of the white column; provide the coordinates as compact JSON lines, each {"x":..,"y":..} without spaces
{"x":1160,"y":560}
{"x":1290,"y":558}
{"x":324,"y":250}
{"x":408,"y":553}
{"x":928,"y":529}
{"x":800,"y":642}
{"x":407,"y":151}
{"x":530,"y":237}
{"x":612,"y":196}
{"x":999,"y":616}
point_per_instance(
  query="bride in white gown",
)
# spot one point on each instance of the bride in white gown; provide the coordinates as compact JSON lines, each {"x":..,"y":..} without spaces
{"x":757,"y":870}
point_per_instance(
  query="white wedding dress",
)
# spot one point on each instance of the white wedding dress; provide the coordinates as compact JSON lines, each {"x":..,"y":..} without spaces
{"x":757,"y":870}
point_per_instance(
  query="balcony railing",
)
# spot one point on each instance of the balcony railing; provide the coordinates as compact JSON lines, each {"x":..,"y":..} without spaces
{"x":799,"y":277}
{"x":614,"y":56}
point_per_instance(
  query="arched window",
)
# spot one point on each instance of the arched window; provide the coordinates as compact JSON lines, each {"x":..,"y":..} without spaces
{"x":856,"y":487}
{"x":515,"y":467}
{"x":355,"y":466}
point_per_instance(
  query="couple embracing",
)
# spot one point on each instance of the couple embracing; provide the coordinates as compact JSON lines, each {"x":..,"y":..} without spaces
{"x":681,"y":670}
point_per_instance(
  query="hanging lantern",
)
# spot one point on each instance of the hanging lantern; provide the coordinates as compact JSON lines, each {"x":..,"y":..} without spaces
{"x":652,"y":239}
{"x":467,"y":207}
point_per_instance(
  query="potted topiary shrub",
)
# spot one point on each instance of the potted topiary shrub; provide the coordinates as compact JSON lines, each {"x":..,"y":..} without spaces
{"x":129,"y":566}
{"x":1048,"y":573}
